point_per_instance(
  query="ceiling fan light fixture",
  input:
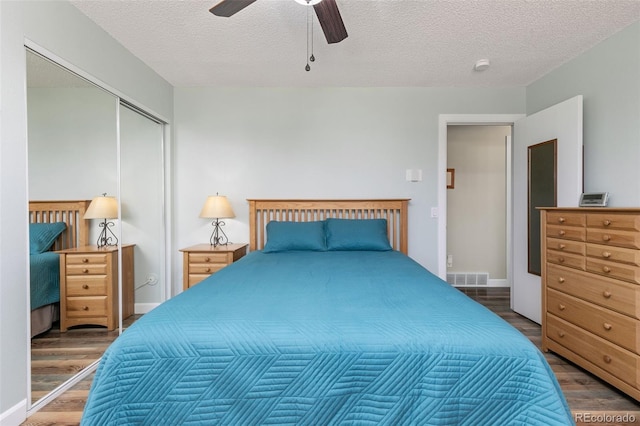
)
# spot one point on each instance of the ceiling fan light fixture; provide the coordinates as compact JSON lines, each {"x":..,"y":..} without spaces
{"x":308,"y":2}
{"x":481,"y":65}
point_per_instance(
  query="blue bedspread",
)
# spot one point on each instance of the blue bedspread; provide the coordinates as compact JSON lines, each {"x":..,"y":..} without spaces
{"x":45,"y":278}
{"x":323,"y":338}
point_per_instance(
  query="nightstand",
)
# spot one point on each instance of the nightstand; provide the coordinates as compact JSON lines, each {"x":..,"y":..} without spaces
{"x":202,"y":260}
{"x":89,"y":286}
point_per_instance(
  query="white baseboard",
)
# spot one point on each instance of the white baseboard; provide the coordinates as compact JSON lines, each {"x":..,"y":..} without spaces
{"x":498,"y":283}
{"x":14,"y":415}
{"x":144,"y":308}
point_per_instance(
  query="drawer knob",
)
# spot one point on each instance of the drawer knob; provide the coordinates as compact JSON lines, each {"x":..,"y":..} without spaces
{"x":561,"y":280}
{"x":207,"y":259}
{"x":85,"y":308}
{"x":561,"y":259}
{"x":606,"y":254}
{"x":606,"y":269}
{"x":607,"y":359}
{"x":208,"y":270}
{"x":562,"y":232}
{"x":561,"y":333}
{"x":606,"y":237}
{"x":562,"y":246}
{"x":85,"y":271}
{"x":562,"y":307}
{"x":606,"y":294}
{"x":85,"y":260}
{"x":606,"y":222}
{"x":561,"y":219}
{"x":607,"y":326}
{"x":85,"y":286}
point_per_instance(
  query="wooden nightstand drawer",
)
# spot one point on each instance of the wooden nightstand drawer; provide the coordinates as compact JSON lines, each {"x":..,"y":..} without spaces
{"x":87,"y":286}
{"x":90,"y":306}
{"x":612,"y":326}
{"x":609,"y":293}
{"x":206,"y":269}
{"x":86,"y":258}
{"x":208,"y":258}
{"x":617,"y":361}
{"x":87,"y":269}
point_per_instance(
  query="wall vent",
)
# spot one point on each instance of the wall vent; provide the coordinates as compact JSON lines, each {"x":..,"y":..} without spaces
{"x":468,"y":279}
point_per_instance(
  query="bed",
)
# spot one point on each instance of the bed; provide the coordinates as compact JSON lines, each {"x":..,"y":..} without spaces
{"x":53,"y":225}
{"x":325,"y":321}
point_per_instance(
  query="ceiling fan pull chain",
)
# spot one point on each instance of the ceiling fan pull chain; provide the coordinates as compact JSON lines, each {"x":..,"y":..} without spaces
{"x":307,"y":67}
{"x":311,"y":58}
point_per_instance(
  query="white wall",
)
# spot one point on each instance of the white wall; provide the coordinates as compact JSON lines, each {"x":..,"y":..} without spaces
{"x":608,"y":76}
{"x":63,"y":30}
{"x":332,"y":142}
{"x":476,"y":206}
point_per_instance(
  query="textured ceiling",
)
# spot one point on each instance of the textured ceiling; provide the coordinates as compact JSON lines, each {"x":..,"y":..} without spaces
{"x":391,"y":42}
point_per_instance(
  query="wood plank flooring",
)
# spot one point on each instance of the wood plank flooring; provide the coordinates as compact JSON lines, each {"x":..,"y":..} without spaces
{"x":589,"y":398}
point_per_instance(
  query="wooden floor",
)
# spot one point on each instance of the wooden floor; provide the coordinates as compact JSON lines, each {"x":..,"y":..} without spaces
{"x":588,"y":397}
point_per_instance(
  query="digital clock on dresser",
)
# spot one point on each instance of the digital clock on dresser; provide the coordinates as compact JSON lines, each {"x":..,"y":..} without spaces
{"x":594,"y":199}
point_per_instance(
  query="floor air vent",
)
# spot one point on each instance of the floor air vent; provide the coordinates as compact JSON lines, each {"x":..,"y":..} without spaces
{"x":468,"y":279}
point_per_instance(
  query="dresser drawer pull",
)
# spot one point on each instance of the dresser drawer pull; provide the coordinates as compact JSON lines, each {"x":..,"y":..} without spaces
{"x":561,"y":333}
{"x":85,"y":308}
{"x":561,"y":280}
{"x":607,"y":326}
{"x":606,"y":294}
{"x":606,"y":269}
{"x":606,"y":254}
{"x":85,"y":260}
{"x":561,"y":219}
{"x":562,"y":307}
{"x":606,"y":237}
{"x":85,"y":271}
{"x":606,"y":222}
{"x":562,"y":232}
{"x":85,"y":286}
{"x":561,"y":246}
{"x":208,"y":270}
{"x":561,"y":259}
{"x":207,"y":259}
{"x":607,"y":359}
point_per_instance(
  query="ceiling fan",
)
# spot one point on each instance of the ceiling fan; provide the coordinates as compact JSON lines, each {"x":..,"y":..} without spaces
{"x":326,"y":11}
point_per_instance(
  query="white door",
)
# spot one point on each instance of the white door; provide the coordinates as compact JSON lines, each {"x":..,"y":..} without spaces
{"x":564,"y":123}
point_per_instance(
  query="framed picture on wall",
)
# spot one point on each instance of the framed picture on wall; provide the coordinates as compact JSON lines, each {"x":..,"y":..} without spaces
{"x":451,"y":177}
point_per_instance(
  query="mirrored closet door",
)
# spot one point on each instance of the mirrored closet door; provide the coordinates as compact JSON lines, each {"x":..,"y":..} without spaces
{"x":85,"y":142}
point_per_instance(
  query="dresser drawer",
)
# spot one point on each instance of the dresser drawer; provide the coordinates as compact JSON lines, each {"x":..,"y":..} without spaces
{"x":205,"y":269}
{"x":615,"y":360}
{"x":221,"y":258}
{"x":614,"y":270}
{"x":566,"y":259}
{"x":566,"y":218}
{"x":92,"y":285}
{"x":624,"y":221}
{"x":612,"y":326}
{"x":609,"y":293}
{"x":91,"y":306}
{"x":614,"y":254}
{"x":86,"y":258}
{"x":614,"y":237}
{"x":87,"y":269}
{"x":566,"y":232}
{"x":566,"y":246}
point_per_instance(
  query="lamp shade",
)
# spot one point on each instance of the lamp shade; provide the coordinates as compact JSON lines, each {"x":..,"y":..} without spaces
{"x":217,"y":206}
{"x":102,"y":207}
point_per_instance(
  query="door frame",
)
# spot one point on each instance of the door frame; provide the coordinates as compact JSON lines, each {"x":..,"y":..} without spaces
{"x":445,"y":120}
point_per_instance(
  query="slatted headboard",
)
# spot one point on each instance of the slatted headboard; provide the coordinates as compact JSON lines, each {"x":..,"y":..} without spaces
{"x":262,"y":212}
{"x":69,"y":212}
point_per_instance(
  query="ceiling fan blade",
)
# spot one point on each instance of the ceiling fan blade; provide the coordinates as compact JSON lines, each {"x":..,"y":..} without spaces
{"x":228,"y":8}
{"x":330,"y":21}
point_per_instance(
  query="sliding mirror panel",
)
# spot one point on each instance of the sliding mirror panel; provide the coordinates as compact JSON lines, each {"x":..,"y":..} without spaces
{"x":72,"y":149}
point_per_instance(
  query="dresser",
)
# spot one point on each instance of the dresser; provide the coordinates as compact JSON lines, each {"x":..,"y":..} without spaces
{"x":202,"y":260}
{"x":89,"y":286}
{"x":591,"y":291}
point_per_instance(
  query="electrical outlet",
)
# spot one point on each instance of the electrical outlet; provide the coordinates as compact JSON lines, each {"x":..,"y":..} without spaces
{"x":434,"y":212}
{"x":152,"y":279}
{"x":449,"y":261}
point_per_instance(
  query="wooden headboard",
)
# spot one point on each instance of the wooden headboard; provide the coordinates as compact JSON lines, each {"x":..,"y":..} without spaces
{"x":69,"y":212}
{"x":262,"y":212}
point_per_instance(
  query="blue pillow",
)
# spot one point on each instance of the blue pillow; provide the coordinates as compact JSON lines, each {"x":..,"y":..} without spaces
{"x":43,"y":235}
{"x":357,"y":234}
{"x":295,"y":236}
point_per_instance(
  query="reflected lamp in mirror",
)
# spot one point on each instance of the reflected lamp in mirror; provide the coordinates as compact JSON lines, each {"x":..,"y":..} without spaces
{"x":217,"y":207}
{"x":104,"y":208}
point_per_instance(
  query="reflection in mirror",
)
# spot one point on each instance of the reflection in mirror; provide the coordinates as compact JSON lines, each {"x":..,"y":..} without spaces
{"x":72,"y":149}
{"x":542,"y":179}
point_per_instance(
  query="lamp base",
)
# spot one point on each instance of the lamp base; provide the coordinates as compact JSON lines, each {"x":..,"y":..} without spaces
{"x":218,"y":237}
{"x":106,"y":237}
